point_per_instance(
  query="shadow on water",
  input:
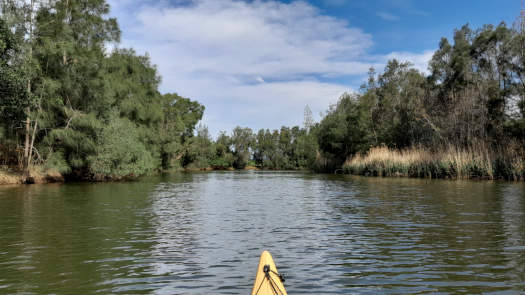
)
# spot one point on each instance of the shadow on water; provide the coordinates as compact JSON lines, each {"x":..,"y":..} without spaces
{"x":202,"y":233}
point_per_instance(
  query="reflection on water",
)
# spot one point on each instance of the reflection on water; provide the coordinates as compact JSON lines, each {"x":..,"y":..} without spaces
{"x":202,"y":233}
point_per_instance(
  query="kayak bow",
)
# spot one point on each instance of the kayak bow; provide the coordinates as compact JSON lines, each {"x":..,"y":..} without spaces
{"x":268,"y":281}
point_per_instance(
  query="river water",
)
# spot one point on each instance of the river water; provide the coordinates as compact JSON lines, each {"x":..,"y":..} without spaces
{"x":202,"y":233}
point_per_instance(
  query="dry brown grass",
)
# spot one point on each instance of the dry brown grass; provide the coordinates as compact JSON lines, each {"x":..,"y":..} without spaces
{"x":450,"y":162}
{"x":36,"y":175}
{"x":10,"y":177}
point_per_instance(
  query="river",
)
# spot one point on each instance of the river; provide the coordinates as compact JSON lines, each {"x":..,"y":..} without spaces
{"x":202,"y":233}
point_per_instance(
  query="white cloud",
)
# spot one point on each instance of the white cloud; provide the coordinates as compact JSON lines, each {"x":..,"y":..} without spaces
{"x":268,"y":39}
{"x":419,"y":61}
{"x":254,"y":64}
{"x":387,"y":16}
{"x":336,"y":2}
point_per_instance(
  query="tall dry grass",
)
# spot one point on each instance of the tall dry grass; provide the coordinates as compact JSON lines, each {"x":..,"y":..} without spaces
{"x":451,"y":162}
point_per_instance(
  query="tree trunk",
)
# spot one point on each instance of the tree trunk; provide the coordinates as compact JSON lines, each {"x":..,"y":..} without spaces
{"x":27,"y":153}
{"x":32,"y":143}
{"x":26,"y":143}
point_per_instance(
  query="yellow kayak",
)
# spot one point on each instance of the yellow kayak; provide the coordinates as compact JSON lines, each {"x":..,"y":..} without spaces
{"x":268,"y":281}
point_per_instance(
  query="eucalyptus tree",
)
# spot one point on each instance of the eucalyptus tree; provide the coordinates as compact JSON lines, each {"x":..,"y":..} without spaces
{"x":474,"y":81}
{"x":398,"y":115}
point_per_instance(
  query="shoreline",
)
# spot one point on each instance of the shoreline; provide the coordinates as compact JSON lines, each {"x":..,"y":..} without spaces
{"x":451,"y":163}
{"x":36,"y":176}
{"x":377,"y":163}
{"x":10,"y":177}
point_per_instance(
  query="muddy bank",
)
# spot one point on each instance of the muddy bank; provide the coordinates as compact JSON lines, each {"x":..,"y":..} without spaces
{"x":8,"y":176}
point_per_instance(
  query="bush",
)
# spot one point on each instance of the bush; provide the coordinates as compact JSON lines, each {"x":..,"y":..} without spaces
{"x":120,"y":153}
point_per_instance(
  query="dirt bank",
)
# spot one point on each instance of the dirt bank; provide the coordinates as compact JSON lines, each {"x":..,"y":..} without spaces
{"x":36,"y":175}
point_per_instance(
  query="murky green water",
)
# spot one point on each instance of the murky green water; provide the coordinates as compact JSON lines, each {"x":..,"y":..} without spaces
{"x":202,"y":234}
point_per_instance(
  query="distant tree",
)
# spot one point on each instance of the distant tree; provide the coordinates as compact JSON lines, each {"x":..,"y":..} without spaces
{"x":180,"y":118}
{"x":341,"y":133}
{"x":200,"y":151}
{"x":224,"y":157}
{"x":242,"y":141}
{"x":308,"y":118}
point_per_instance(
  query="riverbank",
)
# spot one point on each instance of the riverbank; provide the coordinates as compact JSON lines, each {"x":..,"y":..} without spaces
{"x":36,"y":175}
{"x":452,"y":163}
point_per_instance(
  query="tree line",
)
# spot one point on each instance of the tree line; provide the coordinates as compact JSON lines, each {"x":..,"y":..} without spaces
{"x":470,"y":104}
{"x":473,"y":99}
{"x":71,"y":104}
{"x":284,"y":149}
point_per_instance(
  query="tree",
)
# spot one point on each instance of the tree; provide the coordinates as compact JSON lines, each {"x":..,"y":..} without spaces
{"x":13,"y":94}
{"x":74,"y":96}
{"x":242,"y":141}
{"x":69,"y":53}
{"x":120,"y":156}
{"x":224,"y":157}
{"x":200,"y":151}
{"x":399,"y":114}
{"x":341,"y":132}
{"x":179,"y":120}
{"x":308,"y":118}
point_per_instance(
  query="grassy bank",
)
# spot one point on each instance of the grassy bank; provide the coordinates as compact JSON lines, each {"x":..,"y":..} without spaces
{"x":451,"y":162}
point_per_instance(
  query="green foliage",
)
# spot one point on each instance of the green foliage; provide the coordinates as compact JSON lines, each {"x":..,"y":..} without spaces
{"x":284,"y":149}
{"x":242,"y":142}
{"x":14,"y":98}
{"x":287,"y":148}
{"x":180,"y":115}
{"x":473,"y":96}
{"x":199,"y":149}
{"x":90,"y":113}
{"x":474,"y":82}
{"x":13,"y":91}
{"x":119,"y":151}
{"x":56,"y":161}
{"x":399,"y":114}
{"x":344,"y":130}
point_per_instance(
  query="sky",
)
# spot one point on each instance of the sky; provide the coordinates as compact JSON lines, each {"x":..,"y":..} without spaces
{"x":259,"y":63}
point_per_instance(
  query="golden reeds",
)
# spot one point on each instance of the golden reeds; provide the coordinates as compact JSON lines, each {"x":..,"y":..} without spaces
{"x":451,"y":162}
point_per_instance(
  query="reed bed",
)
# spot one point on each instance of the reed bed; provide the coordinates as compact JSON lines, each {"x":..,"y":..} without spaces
{"x":477,"y":162}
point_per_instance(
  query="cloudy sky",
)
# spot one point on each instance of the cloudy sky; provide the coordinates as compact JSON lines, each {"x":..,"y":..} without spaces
{"x":258,"y":63}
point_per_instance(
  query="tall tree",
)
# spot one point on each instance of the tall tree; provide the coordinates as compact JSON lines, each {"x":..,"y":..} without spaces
{"x":71,"y":36}
{"x":13,"y":94}
{"x":242,"y":141}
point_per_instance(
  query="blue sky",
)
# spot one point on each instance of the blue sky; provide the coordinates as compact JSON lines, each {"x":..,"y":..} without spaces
{"x":258,"y":63}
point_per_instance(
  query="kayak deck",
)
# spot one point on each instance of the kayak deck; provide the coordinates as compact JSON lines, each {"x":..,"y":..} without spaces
{"x":267,"y":280}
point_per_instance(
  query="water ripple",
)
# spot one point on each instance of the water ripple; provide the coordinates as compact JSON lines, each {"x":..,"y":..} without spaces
{"x":202,"y":233}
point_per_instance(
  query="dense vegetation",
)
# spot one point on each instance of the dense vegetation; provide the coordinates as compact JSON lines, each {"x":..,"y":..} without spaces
{"x":467,"y":116}
{"x":284,"y":149}
{"x":70,"y":104}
